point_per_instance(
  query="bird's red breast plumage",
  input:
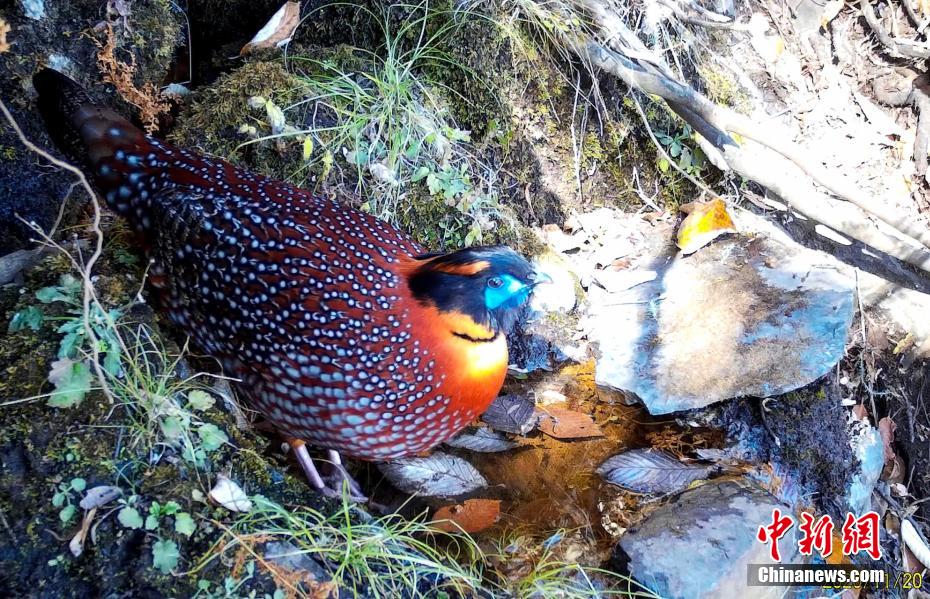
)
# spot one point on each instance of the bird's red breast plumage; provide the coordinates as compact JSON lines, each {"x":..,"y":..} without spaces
{"x":303,"y":299}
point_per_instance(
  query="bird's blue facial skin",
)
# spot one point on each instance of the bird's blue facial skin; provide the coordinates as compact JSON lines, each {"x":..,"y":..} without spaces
{"x":504,"y":290}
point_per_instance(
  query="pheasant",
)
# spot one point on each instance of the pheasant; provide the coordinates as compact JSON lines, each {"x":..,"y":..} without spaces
{"x":341,"y":330}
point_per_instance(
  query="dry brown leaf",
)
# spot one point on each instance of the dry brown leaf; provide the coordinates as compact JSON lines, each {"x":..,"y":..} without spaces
{"x":277,"y":31}
{"x":562,"y":423}
{"x":886,"y":428}
{"x":474,"y":515}
{"x":77,"y":542}
{"x":4,"y":29}
{"x":860,"y":413}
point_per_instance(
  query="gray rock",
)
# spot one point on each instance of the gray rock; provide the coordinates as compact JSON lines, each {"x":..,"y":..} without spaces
{"x":549,"y":334}
{"x":288,"y":555}
{"x":741,"y":317}
{"x":698,"y":545}
{"x":868,"y":447}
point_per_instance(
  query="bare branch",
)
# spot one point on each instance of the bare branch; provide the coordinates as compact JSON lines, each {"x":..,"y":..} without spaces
{"x":899,"y":47}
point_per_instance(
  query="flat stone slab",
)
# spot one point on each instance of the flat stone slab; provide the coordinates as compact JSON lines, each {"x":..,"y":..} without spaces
{"x":699,"y":544}
{"x":744,"y":316}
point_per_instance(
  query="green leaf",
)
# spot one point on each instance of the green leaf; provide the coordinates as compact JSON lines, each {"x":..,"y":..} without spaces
{"x":151,"y":522}
{"x":308,"y":148}
{"x":165,"y":556}
{"x":171,"y":427}
{"x":78,"y":484}
{"x":69,"y":344}
{"x":30,"y":317}
{"x":433,"y":183}
{"x":664,"y":165}
{"x":170,"y":508}
{"x":112,"y":360}
{"x":72,"y":382}
{"x":200,"y":400}
{"x":67,"y":513}
{"x":47,"y":295}
{"x":58,"y":499}
{"x":675,"y":149}
{"x":184,"y":524}
{"x":211,"y":437}
{"x":419,"y":174}
{"x":129,"y":517}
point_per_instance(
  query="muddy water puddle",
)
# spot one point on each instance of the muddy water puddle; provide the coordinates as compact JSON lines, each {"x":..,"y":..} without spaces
{"x":548,"y":484}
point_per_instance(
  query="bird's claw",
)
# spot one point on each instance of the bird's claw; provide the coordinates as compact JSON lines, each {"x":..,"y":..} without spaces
{"x":344,"y":484}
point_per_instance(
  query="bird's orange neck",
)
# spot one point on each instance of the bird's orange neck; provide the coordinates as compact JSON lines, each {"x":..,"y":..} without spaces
{"x":473,"y":357}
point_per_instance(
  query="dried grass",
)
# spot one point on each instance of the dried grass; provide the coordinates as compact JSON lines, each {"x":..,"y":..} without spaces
{"x":148,"y":99}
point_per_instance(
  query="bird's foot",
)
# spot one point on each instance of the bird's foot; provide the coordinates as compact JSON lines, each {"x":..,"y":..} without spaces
{"x":345,"y":480}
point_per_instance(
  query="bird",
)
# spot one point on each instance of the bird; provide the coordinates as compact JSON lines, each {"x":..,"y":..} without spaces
{"x":341,"y":330}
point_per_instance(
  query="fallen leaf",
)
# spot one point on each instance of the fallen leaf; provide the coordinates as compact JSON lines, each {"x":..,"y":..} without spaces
{"x":472,"y":515}
{"x":860,"y":413}
{"x":830,"y":10}
{"x":80,"y":537}
{"x":650,"y":471}
{"x":482,"y":440}
{"x":886,"y":428}
{"x":436,"y":475}
{"x":230,"y":495}
{"x":914,"y":541}
{"x":100,"y":496}
{"x":562,"y":423}
{"x":511,"y":414}
{"x":704,"y":223}
{"x":277,"y":31}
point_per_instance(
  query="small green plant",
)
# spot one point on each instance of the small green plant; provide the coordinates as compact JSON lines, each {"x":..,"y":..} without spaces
{"x":373,"y":120}
{"x":165,"y":551}
{"x":690,"y":160}
{"x":230,"y":587}
{"x":64,"y":499}
{"x":166,"y":410}
{"x":71,"y":373}
{"x":383,"y":557}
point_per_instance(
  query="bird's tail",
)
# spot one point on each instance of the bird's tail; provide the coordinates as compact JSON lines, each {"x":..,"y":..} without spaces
{"x":91,"y":135}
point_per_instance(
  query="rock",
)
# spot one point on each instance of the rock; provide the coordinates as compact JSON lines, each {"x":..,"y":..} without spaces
{"x":291,"y":557}
{"x":712,"y":530}
{"x":741,"y":317}
{"x":868,"y":448}
{"x":549,"y":334}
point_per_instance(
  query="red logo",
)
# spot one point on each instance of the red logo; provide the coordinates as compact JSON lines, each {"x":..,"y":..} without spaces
{"x":859,"y":534}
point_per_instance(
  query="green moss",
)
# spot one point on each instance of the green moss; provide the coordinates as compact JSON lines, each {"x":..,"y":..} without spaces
{"x":211,"y":122}
{"x":722,"y":89}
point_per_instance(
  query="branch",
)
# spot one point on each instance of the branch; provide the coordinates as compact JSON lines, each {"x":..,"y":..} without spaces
{"x":628,"y":59}
{"x":906,"y":48}
{"x":90,"y":294}
{"x":708,"y":19}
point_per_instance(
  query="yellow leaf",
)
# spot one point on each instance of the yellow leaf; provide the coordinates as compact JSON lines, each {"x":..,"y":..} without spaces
{"x":308,"y":148}
{"x":830,"y":10}
{"x":704,"y":223}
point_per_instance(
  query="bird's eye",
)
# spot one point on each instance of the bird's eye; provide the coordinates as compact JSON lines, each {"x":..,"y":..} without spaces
{"x":495,"y":282}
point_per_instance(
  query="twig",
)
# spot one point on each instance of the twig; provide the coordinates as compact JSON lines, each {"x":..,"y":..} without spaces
{"x":906,"y":48}
{"x":712,"y":20}
{"x":89,"y":291}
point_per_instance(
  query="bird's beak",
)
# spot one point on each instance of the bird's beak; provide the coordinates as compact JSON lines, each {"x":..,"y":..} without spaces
{"x":540,"y":278}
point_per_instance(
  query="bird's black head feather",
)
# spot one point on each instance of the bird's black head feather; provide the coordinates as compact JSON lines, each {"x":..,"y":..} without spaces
{"x":490,"y":284}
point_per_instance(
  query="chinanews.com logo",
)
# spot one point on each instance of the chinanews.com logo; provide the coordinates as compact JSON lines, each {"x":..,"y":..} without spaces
{"x":857,"y":538}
